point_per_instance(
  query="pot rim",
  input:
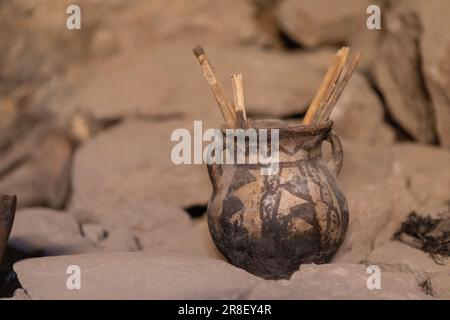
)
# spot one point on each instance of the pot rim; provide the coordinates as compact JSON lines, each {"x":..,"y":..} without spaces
{"x":288,"y":127}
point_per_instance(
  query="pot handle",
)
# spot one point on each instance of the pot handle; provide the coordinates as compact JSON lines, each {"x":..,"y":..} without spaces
{"x":335,"y":163}
{"x":215,"y":173}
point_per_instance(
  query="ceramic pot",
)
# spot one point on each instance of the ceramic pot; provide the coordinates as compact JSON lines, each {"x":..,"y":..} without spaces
{"x":270,"y":224}
{"x":7,"y":213}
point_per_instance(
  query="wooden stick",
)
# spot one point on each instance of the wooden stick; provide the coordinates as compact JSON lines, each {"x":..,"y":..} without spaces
{"x":343,"y":57}
{"x":217,"y":89}
{"x":326,"y":82}
{"x":340,"y":87}
{"x":238,"y":90}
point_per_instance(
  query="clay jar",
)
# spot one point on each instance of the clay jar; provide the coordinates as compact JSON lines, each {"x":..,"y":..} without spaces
{"x":270,"y":224}
{"x":7,"y":213}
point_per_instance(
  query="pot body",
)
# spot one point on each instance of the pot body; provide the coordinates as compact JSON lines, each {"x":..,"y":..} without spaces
{"x":270,"y":224}
{"x":7,"y":213}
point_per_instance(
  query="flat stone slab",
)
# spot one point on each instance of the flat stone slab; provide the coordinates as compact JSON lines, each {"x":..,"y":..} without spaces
{"x":134,"y":276}
{"x":339,"y":281}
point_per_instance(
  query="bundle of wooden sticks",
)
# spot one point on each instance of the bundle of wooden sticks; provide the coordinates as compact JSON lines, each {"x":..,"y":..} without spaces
{"x":330,"y":90}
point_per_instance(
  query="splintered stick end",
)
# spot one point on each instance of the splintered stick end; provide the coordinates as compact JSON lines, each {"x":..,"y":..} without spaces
{"x":198,"y":51}
{"x":343,"y":81}
{"x":343,"y":51}
{"x":236,"y":80}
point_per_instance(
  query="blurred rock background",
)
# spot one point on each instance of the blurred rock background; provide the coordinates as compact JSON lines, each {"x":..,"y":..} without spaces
{"x":86,"y":118}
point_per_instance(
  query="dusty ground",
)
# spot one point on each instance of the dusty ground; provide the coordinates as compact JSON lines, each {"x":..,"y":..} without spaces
{"x":86,"y":117}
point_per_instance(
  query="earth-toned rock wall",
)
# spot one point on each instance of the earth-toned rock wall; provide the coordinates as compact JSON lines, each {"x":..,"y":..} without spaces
{"x":86,"y":118}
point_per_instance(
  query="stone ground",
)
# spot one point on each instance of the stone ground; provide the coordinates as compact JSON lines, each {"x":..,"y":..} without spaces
{"x":85,"y":141}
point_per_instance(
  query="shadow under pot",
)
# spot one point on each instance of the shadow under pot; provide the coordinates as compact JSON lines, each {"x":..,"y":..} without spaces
{"x":7,"y":213}
{"x":270,"y":224}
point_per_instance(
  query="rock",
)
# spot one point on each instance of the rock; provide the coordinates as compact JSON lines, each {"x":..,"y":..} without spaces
{"x":439,"y":284}
{"x":358,"y":158}
{"x":410,"y":39}
{"x":142,"y":169}
{"x":47,"y":232}
{"x":405,"y":203}
{"x":338,"y":281}
{"x":115,"y":27}
{"x":334,"y":25}
{"x":314,"y":23}
{"x":427,"y":172}
{"x":441,"y":212}
{"x":94,"y":233}
{"x":271,"y":290}
{"x":412,"y":165}
{"x":383,"y":185}
{"x":39,"y":29}
{"x":395,"y":256}
{"x":134,"y":276}
{"x":371,"y":207}
{"x":359,"y":114}
{"x":38,"y":169}
{"x":152,"y":226}
{"x":421,"y":171}
{"x":9,"y":122}
{"x":435,"y":50}
{"x":198,"y":21}
{"x":111,"y":239}
{"x":400,"y":81}
{"x":120,"y":239}
{"x":19,"y":294}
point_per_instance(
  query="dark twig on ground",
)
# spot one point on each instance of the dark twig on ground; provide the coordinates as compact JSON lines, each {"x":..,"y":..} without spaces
{"x":428,"y":234}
